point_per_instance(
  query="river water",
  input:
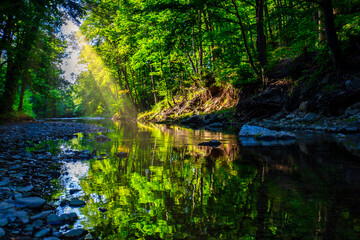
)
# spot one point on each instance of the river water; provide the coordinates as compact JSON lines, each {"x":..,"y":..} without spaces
{"x":155,"y":182}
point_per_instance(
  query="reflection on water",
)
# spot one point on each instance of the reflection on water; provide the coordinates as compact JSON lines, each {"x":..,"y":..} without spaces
{"x":168,"y":187}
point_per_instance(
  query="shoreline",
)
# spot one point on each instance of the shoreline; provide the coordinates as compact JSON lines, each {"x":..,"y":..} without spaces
{"x":348,"y":123}
{"x":26,"y":179}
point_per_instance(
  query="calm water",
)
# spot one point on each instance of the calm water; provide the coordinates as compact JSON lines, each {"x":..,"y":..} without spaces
{"x":168,"y":187}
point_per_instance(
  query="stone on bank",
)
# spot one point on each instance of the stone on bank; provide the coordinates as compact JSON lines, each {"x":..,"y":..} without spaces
{"x":264,"y":133}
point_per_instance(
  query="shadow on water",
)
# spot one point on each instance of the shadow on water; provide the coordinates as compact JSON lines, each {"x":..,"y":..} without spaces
{"x":155,"y":182}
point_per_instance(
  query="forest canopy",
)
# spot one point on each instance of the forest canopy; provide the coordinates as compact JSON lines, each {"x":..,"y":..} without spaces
{"x":145,"y":54}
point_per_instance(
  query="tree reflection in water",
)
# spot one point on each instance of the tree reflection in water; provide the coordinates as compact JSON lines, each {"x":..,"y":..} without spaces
{"x":168,"y":187}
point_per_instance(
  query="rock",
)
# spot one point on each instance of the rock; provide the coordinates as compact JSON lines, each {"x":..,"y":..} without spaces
{"x":4,"y":183}
{"x":310,"y":117}
{"x":121,"y":154}
{"x":251,"y":142}
{"x":102,"y":138}
{"x":64,"y":203}
{"x":212,"y":143}
{"x":263,"y":133}
{"x":353,"y":85}
{"x":41,"y":215}
{"x":2,"y":233}
{"x":75,"y":234}
{"x":31,"y":202}
{"x":304,"y":106}
{"x":339,"y":135}
{"x":290,"y":116}
{"x":216,"y":125}
{"x":37,"y":223}
{"x":69,"y":217}
{"x":101,"y":209}
{"x":77,"y":203}
{"x":194,"y":120}
{"x":73,"y":191}
{"x":43,"y":233}
{"x":5,"y":205}
{"x":4,"y":222}
{"x":26,"y":189}
{"x":54,"y":219}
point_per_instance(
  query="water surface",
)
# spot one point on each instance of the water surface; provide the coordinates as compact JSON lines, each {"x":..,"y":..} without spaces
{"x":155,"y":182}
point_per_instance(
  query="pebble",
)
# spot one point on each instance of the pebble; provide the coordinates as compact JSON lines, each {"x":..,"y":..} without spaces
{"x":54,"y":219}
{"x":26,"y":189}
{"x":75,"y":233}
{"x":25,"y":178}
{"x":43,"y":233}
{"x":3,"y":222}
{"x":41,"y":215}
{"x":30,"y":202}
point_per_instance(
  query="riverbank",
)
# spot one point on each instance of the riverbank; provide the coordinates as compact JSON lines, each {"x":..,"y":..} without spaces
{"x":27,"y":172}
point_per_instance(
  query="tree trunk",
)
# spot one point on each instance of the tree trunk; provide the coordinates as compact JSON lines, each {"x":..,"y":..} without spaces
{"x":261,"y":39}
{"x":22,"y":93}
{"x":153,"y":85}
{"x":330,"y":32}
{"x":244,"y":37}
{"x":201,"y":62}
{"x":129,"y":93}
{"x":321,"y":28}
{"x":11,"y":83}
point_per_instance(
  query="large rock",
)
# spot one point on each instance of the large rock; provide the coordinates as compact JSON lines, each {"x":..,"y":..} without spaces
{"x":264,"y":133}
{"x":30,"y":202}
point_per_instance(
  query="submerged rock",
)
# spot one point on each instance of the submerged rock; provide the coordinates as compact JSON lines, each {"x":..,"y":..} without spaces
{"x":77,"y":203}
{"x":264,"y":133}
{"x":101,"y":209}
{"x":102,"y":138}
{"x":212,"y":143}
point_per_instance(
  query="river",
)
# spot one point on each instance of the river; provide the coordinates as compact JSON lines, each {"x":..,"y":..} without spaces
{"x":155,"y":182}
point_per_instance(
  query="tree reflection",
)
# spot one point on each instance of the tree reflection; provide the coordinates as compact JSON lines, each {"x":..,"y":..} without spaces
{"x":168,"y":187}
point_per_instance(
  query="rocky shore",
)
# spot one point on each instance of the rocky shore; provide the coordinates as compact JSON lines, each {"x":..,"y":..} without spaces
{"x":26,"y":176}
{"x":300,"y":119}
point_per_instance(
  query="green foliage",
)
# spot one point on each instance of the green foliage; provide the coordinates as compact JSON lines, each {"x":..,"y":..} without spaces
{"x":141,"y":52}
